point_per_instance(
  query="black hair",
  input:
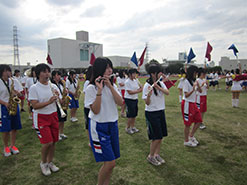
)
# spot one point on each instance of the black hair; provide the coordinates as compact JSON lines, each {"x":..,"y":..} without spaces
{"x":190,"y":74}
{"x":41,"y":68}
{"x":121,"y":73}
{"x":89,"y":73}
{"x":237,"y":71}
{"x":232,"y":71}
{"x":33,"y":70}
{"x":16,"y":71}
{"x":201,"y":71}
{"x":182,"y":71}
{"x":53,"y":74}
{"x":99,"y":67}
{"x":153,"y":68}
{"x":71,"y":73}
{"x":131,"y":71}
{"x":4,"y":67}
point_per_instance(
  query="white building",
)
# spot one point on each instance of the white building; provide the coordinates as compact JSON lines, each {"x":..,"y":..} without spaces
{"x":69,"y":53}
{"x":228,"y":64}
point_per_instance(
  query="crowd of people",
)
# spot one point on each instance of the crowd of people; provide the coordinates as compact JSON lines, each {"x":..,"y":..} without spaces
{"x":49,"y":96}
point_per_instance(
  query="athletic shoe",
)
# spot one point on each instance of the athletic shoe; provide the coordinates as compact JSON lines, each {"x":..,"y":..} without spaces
{"x":63,"y":136}
{"x":73,"y":119}
{"x":202,"y":126}
{"x":153,"y":161}
{"x":134,"y":129}
{"x":190,"y":144}
{"x":14,"y":150}
{"x":22,"y":110}
{"x":45,"y":169}
{"x":6,"y":152}
{"x":158,"y":158}
{"x":129,"y":130}
{"x":194,"y":140}
{"x":53,"y":167}
{"x":60,"y":138}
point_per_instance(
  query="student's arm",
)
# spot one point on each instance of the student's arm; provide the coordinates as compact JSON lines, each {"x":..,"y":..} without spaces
{"x":148,"y":99}
{"x":165,"y":91}
{"x":6,"y":104}
{"x":39,"y":105}
{"x":186,"y":93}
{"x":95,"y":107}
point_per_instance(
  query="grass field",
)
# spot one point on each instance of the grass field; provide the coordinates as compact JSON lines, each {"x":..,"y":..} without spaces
{"x":221,"y":157}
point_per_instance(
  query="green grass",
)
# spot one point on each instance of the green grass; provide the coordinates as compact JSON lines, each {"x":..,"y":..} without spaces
{"x":220,"y":158}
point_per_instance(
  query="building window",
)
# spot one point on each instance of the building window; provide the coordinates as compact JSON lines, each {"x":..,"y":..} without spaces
{"x":84,"y":55}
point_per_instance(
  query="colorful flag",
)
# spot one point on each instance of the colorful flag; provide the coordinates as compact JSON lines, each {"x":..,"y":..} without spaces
{"x":48,"y":59}
{"x":134,"y":59}
{"x":92,"y":59}
{"x":141,"y":60}
{"x":235,"y":50}
{"x":190,"y":56}
{"x":170,"y":83}
{"x":208,"y":51}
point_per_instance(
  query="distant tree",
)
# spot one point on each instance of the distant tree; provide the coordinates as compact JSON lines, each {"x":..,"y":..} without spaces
{"x":174,"y":68}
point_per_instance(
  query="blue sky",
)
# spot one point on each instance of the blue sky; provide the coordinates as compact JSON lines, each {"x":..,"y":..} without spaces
{"x":169,"y":26}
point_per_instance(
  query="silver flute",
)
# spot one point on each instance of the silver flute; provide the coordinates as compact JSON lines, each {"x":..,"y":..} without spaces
{"x":152,"y":86}
{"x":63,"y":114}
{"x":103,"y":77}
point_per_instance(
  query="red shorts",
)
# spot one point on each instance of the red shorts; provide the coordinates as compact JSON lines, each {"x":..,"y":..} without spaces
{"x":191,"y":113}
{"x":203,"y":103}
{"x":46,"y":126}
{"x":122,"y":92}
{"x":22,"y":97}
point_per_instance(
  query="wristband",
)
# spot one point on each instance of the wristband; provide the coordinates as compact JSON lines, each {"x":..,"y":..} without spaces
{"x":98,"y":94}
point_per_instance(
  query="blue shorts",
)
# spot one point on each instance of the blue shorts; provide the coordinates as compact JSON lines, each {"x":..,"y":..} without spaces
{"x":73,"y":103}
{"x":104,"y":140}
{"x":244,"y":84}
{"x":10,"y":122}
{"x":132,"y":107}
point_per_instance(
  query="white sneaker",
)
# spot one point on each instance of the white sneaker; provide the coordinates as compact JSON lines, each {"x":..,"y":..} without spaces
{"x":134,"y":129}
{"x":45,"y":169}
{"x":190,"y":144}
{"x":53,"y":167}
{"x":63,"y":136}
{"x":193,"y":140}
{"x":202,"y":126}
{"x":60,"y":138}
{"x":129,"y":130}
{"x":73,"y":119}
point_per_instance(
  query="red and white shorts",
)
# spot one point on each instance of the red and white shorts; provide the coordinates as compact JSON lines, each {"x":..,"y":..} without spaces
{"x":191,"y":114}
{"x":123,"y":92}
{"x":203,"y":103}
{"x":47,"y":127}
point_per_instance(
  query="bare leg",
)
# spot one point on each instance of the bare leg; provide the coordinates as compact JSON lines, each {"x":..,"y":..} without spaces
{"x":61,"y":126}
{"x":195,"y":127}
{"x":132,"y":123}
{"x":22,"y":104}
{"x":5,"y":136}
{"x":13,"y":137}
{"x":51,"y":152}
{"x":72,"y":112}
{"x":105,"y":172}
{"x":186,"y":133}
{"x":158,"y":146}
{"x":44,"y":151}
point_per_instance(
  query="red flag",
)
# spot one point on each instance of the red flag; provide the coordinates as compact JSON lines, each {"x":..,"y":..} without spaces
{"x":92,"y":59}
{"x":48,"y":59}
{"x":209,"y":49}
{"x":170,"y":83}
{"x":141,"y":60}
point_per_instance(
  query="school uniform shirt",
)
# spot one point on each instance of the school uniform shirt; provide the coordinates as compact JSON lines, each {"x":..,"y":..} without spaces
{"x":43,"y":93}
{"x":156,"y":102}
{"x":236,"y":85}
{"x":228,"y":79}
{"x":108,"y":108}
{"x":181,"y":83}
{"x":216,"y":77}
{"x":71,"y":86}
{"x":204,"y":87}
{"x":188,"y":88}
{"x":86,"y":83}
{"x":131,"y":85}
{"x":30,"y":81}
{"x":119,"y":81}
{"x":211,"y":76}
{"x":4,"y":93}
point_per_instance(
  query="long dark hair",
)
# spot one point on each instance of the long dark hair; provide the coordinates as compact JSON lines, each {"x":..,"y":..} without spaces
{"x":201,"y":71}
{"x":153,"y":68}
{"x":53,"y":74}
{"x":89,"y":73}
{"x":4,"y":67}
{"x":121,"y":73}
{"x":190,"y":74}
{"x":99,"y":67}
{"x":71,"y":73}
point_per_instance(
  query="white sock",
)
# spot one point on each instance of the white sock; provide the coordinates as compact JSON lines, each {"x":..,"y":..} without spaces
{"x":180,"y":98}
{"x":237,"y":102}
{"x":233,"y":102}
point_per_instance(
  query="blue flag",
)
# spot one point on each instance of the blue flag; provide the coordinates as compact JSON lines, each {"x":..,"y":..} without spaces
{"x":134,"y":59}
{"x":190,"y":56}
{"x":235,"y":50}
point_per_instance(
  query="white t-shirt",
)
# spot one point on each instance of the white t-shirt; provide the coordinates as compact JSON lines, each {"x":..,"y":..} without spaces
{"x":30,"y":81}
{"x":216,"y":76}
{"x":120,"y":80}
{"x":131,"y":85}
{"x":211,"y":76}
{"x":71,"y":86}
{"x":24,"y":79}
{"x":4,"y":93}
{"x":156,"y":102}
{"x":188,"y":88}
{"x":181,"y":83}
{"x":43,"y":93}
{"x":108,"y":108}
{"x":204,"y":87}
{"x":86,"y":83}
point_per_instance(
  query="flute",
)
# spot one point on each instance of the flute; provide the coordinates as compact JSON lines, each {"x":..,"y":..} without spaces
{"x":104,"y":77}
{"x":63,"y":114}
{"x":152,"y":86}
